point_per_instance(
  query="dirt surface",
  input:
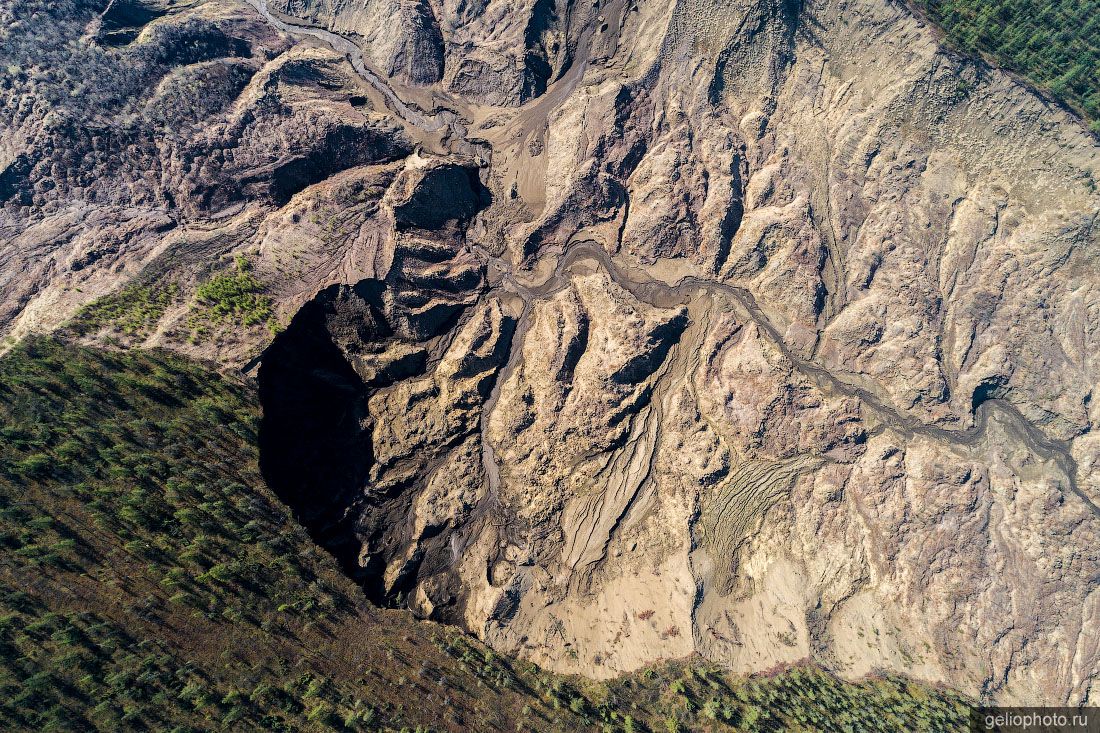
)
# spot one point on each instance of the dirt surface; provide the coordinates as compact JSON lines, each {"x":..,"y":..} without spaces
{"x":610,"y":332}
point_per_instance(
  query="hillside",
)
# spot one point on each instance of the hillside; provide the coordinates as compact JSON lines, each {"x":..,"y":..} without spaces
{"x":1056,"y":45}
{"x":754,"y":334}
{"x":150,"y":581}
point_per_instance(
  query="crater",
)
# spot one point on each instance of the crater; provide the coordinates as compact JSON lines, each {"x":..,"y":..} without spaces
{"x":364,"y":364}
{"x":314,"y":451}
{"x":324,"y":386}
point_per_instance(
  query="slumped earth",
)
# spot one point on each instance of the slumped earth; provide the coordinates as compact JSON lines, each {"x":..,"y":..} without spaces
{"x":611,"y":333}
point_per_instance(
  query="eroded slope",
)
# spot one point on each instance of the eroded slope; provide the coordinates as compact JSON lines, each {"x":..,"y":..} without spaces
{"x":763,"y":330}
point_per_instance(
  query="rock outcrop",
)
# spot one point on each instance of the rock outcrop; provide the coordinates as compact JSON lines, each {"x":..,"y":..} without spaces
{"x":613,"y":333}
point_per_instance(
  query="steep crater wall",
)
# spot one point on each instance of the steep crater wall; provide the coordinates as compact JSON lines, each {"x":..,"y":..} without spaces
{"x":341,"y":441}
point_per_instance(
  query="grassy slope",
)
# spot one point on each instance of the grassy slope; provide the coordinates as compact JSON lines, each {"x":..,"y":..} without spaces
{"x":150,"y":581}
{"x":1053,"y":43}
{"x":232,"y":297}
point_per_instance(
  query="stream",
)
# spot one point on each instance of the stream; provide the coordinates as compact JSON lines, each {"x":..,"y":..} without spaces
{"x":659,"y":293}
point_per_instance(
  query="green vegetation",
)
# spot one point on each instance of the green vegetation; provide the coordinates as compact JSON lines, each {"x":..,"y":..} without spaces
{"x":1055,"y":44}
{"x":799,"y":699}
{"x":133,"y":310}
{"x":150,"y":581}
{"x":229,"y":299}
{"x":235,"y":297}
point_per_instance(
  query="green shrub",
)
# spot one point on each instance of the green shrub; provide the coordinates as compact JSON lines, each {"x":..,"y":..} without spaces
{"x":235,"y":297}
{"x":1053,"y":43}
{"x":135,"y":309}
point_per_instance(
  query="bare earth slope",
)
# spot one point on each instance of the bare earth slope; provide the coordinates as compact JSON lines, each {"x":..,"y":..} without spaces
{"x":612,"y":332}
{"x":150,"y":581}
